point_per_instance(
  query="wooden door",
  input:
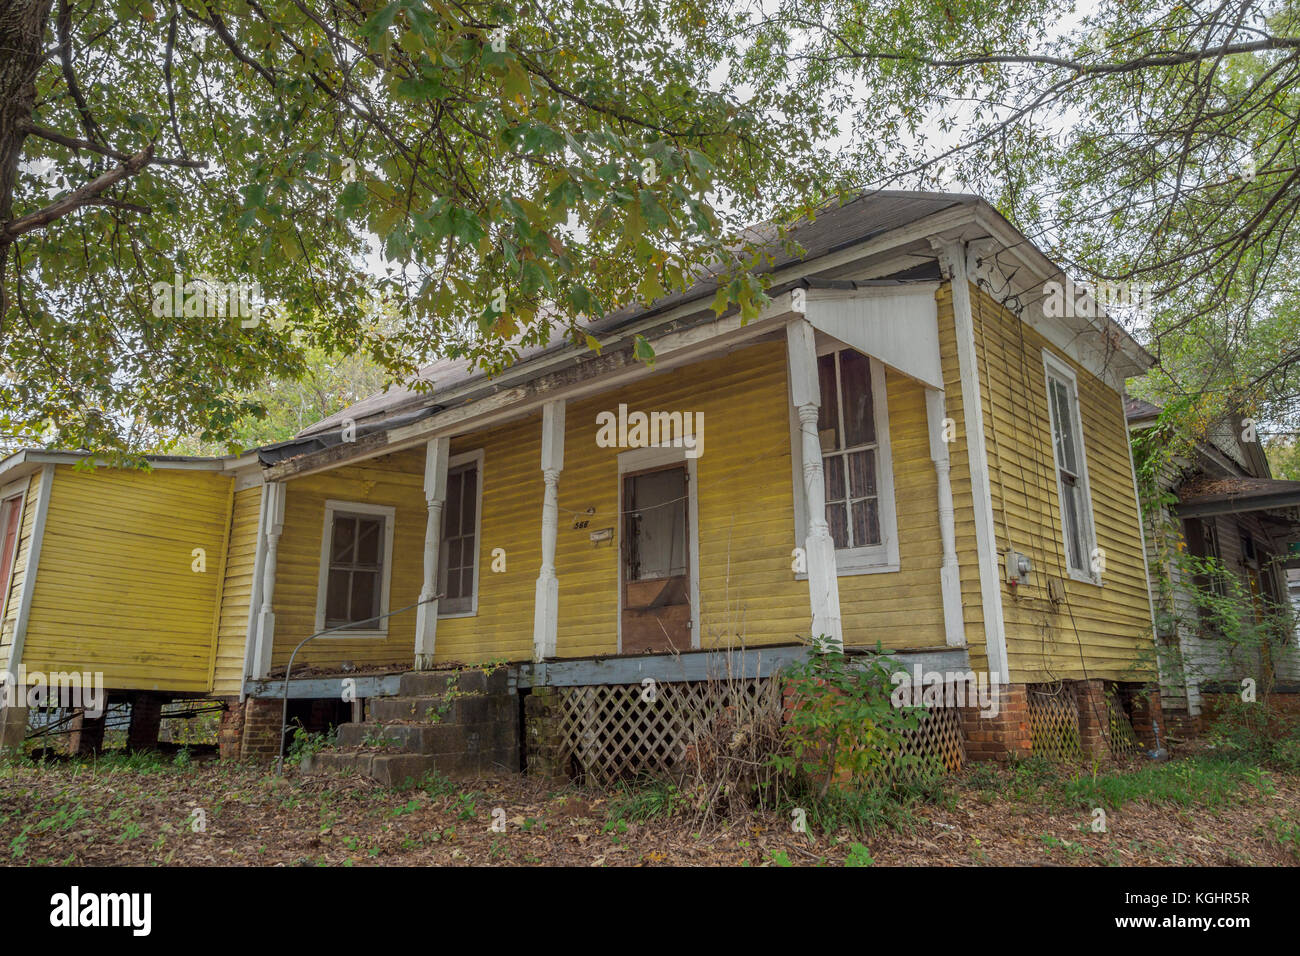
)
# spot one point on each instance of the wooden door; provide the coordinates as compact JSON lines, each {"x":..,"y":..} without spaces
{"x":656,"y":598}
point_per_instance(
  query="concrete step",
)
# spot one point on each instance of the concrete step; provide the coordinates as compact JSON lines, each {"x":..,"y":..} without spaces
{"x":472,"y":709}
{"x":428,"y":739}
{"x":395,"y":769}
{"x":440,"y":683}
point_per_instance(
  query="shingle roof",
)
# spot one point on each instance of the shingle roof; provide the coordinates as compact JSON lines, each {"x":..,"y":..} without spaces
{"x":835,"y":228}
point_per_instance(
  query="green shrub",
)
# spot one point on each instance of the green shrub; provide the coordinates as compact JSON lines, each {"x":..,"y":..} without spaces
{"x":842,"y":725}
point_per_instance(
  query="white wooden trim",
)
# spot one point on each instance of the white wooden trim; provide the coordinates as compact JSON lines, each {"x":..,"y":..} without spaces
{"x":898,"y":325}
{"x":880,"y":558}
{"x":1056,"y":367}
{"x":33,"y":565}
{"x":546,"y":598}
{"x":389,"y":513}
{"x":819,"y":548}
{"x":19,"y":490}
{"x":954,"y":626}
{"x":251,"y":646}
{"x":272,"y":527}
{"x":454,"y":462}
{"x":953,"y":256}
{"x":640,"y":459}
{"x":435,"y":495}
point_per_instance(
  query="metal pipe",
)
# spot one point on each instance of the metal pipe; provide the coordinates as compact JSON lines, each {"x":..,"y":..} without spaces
{"x":284,"y":707}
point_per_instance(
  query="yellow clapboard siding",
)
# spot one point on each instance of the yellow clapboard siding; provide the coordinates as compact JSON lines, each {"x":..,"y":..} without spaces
{"x":1113,"y":621}
{"x":19,"y":573}
{"x":115,"y":589}
{"x":746,"y":513}
{"x":237,"y":590}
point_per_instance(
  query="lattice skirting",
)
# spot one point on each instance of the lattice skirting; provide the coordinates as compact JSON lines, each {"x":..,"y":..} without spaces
{"x":614,"y":731}
{"x":1120,"y":737}
{"x":611,"y":732}
{"x":937,"y":741}
{"x":1054,"y":722}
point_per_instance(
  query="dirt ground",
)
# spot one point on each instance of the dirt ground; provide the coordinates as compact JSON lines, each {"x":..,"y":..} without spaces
{"x":144,"y":811}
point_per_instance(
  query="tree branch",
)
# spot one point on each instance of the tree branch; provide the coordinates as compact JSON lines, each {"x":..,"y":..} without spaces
{"x":83,"y":196}
{"x":73,"y":143}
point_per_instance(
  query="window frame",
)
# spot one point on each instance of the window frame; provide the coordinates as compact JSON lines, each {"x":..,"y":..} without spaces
{"x":876,"y":558}
{"x":459,"y":463}
{"x":17,"y":489}
{"x":1057,"y":368}
{"x":388,"y":513}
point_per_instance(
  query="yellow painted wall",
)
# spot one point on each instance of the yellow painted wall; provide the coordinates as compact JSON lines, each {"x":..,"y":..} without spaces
{"x":512,"y":508}
{"x":236,"y":592}
{"x":1108,"y":626}
{"x":115,"y":591}
{"x":746,"y":515}
{"x":19,"y":573}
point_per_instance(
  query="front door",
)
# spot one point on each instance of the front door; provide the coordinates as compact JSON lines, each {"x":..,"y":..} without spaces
{"x":656,"y":556}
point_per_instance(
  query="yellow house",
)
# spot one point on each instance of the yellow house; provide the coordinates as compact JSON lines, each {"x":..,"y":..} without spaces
{"x":920,"y":443}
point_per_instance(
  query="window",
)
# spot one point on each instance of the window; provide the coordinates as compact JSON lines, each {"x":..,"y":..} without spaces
{"x":853,"y":426}
{"x":11,"y":510}
{"x":458,"y":557}
{"x":356,"y":559}
{"x":1071,"y":469}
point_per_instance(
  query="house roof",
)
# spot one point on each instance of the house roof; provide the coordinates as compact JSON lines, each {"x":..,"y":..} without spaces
{"x":1139,"y":410}
{"x":1204,"y":495}
{"x":838,"y":227}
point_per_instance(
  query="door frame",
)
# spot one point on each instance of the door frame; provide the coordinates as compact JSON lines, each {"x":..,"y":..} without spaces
{"x":649,"y":459}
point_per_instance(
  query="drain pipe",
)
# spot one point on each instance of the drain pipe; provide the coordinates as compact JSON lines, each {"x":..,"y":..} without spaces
{"x":284,"y":704}
{"x":1160,"y":753}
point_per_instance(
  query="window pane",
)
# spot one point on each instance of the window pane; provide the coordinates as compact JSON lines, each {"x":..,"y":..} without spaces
{"x":343,"y":539}
{"x":1073,"y":539}
{"x":452,"y":588}
{"x":369,"y":531}
{"x":866,"y":522}
{"x":828,"y":416}
{"x":833,"y":469}
{"x":451,"y":508}
{"x":336,"y":597}
{"x":855,"y":384}
{"x":365,"y":594}
{"x":1065,"y":438}
{"x":469,"y":500}
{"x":837,"y":517}
{"x":862,"y":473}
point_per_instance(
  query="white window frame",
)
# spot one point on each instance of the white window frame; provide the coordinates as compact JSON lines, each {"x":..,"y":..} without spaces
{"x":878,"y":558}
{"x":389,"y":514}
{"x":1057,"y":368}
{"x":15,"y":489}
{"x":453,"y":463}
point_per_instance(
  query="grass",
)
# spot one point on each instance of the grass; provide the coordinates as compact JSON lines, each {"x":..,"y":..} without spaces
{"x":1203,"y":781}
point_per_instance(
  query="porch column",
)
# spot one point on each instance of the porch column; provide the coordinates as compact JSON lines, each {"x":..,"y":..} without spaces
{"x":436,"y":451}
{"x":949,"y":573}
{"x":266,"y":618}
{"x":546,"y":615}
{"x":823,"y":582}
{"x":953,"y":261}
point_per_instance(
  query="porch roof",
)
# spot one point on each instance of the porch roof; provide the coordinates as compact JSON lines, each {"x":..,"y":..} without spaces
{"x":454,"y":384}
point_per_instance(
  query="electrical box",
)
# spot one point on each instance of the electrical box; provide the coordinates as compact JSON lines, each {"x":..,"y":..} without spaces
{"x":1018,"y":567}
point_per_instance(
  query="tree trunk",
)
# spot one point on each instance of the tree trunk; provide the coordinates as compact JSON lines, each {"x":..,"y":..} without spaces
{"x":22,"y":33}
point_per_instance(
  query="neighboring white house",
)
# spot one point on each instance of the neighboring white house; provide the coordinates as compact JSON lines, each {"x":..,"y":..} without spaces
{"x":1230,"y":508}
